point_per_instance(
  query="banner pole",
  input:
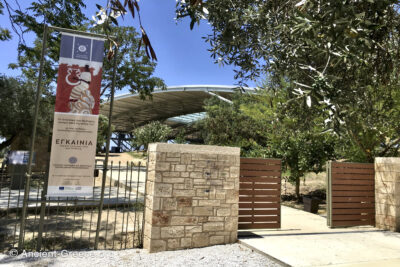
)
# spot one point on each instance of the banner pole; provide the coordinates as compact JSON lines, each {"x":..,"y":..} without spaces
{"x":105,"y":165}
{"x":32,"y":143}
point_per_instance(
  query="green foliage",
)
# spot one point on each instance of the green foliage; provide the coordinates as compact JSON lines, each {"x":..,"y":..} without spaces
{"x":180,"y":137}
{"x":4,"y":33}
{"x":17,"y":103}
{"x":268,"y":125}
{"x":134,"y":68}
{"x":150,"y":133}
{"x":60,"y":13}
{"x":341,"y":56}
{"x":102,"y":132}
{"x":227,"y":125}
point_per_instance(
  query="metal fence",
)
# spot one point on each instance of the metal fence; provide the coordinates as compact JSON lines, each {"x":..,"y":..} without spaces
{"x":71,"y":223}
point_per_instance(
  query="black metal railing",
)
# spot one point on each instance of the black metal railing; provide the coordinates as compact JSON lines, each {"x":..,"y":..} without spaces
{"x":71,"y":223}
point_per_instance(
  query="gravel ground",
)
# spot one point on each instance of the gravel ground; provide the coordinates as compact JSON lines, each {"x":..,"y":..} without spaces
{"x":224,"y":255}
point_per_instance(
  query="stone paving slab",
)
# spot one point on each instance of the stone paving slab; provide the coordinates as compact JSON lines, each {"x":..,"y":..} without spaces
{"x":305,"y":240}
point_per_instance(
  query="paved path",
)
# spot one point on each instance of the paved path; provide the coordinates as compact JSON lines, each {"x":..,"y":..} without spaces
{"x":121,"y":178}
{"x":305,"y":240}
{"x":15,"y":198}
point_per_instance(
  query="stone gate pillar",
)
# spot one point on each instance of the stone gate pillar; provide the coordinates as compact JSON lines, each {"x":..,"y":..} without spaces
{"x":192,"y":196}
{"x":387,"y":193}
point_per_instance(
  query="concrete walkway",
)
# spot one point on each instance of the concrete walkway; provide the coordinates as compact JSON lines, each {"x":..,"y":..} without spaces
{"x":305,"y":240}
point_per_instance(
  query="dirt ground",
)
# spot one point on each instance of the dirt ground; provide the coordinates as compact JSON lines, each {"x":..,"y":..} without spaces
{"x":77,"y":230}
{"x":134,"y":157}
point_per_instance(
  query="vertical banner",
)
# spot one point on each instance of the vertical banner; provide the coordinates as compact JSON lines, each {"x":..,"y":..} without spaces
{"x":73,"y":151}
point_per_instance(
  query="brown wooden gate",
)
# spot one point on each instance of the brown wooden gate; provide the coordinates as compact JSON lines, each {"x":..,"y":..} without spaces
{"x":260,"y":193}
{"x":351,"y":194}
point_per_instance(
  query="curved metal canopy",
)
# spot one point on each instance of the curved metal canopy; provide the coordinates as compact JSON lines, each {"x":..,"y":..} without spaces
{"x":130,"y":110}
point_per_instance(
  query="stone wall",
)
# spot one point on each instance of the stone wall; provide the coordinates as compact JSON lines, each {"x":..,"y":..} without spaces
{"x":192,"y":196}
{"x":387,"y":193}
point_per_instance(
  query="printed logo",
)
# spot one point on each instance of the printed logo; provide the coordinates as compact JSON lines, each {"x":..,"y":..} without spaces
{"x":72,"y":160}
{"x":61,"y":188}
{"x":82,"y":48}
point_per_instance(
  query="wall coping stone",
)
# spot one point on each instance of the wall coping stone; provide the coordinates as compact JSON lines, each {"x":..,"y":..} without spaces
{"x":389,"y":160}
{"x":197,"y":149}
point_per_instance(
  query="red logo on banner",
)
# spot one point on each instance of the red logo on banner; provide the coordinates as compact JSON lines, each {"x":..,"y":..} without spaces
{"x":78,"y":89}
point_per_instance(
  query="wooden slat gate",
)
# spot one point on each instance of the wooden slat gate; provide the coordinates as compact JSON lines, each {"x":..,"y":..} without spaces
{"x":260,"y":193}
{"x":350,"y":194}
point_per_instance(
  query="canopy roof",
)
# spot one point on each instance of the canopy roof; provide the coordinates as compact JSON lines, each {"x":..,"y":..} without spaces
{"x":130,"y":111}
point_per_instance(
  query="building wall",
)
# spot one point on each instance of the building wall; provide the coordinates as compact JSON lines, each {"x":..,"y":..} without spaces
{"x":387,"y":193}
{"x":192,"y":196}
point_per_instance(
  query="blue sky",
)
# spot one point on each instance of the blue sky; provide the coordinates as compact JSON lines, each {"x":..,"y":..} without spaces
{"x":182,"y":54}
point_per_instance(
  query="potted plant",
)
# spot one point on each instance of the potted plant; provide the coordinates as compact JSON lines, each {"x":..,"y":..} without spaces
{"x":311,"y":204}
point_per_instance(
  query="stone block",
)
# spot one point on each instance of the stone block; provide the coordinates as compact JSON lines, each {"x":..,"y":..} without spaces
{"x":179,"y":186}
{"x":217,"y":240}
{"x":231,"y":224}
{"x":173,"y":160}
{"x":210,"y":156}
{"x":172,"y":232}
{"x":156,"y":203}
{"x":152,"y":232}
{"x":160,"y":218}
{"x":215,"y":219}
{"x":229,"y":185}
{"x":387,"y":177}
{"x":173,"y":243}
{"x":199,"y":181}
{"x":229,"y":158}
{"x":200,"y":164}
{"x":215,"y":182}
{"x":190,"y":168}
{"x":184,"y":201}
{"x":232,"y":196}
{"x":203,"y":211}
{"x":185,"y":174}
{"x":163,"y":190}
{"x":196,"y":175}
{"x":220,"y":194}
{"x":200,"y":240}
{"x":211,"y":202}
{"x":213,"y":226}
{"x":173,"y":154}
{"x":173,"y":180}
{"x":233,"y":238}
{"x":183,"y":220}
{"x":162,"y":166}
{"x":223,"y":212}
{"x":187,"y":211}
{"x":189,"y":230}
{"x":170,"y":174}
{"x":385,"y":209}
{"x":186,"y":158}
{"x":188,"y":183}
{"x":202,"y":193}
{"x":183,"y":193}
{"x":186,"y":242}
{"x":157,"y":246}
{"x":169,"y":204}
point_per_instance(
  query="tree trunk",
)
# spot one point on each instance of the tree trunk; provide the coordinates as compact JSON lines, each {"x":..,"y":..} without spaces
{"x":298,"y":188}
{"x":7,"y":142}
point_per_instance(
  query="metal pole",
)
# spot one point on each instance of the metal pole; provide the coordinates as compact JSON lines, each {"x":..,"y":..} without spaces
{"x":105,"y":166}
{"x":42,"y":210}
{"x":79,"y":32}
{"x":32,"y":144}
